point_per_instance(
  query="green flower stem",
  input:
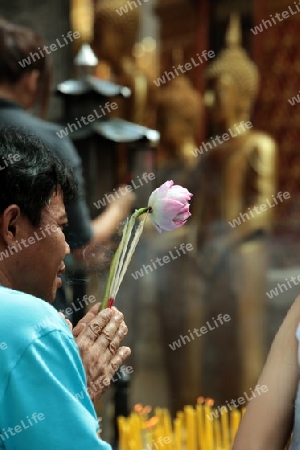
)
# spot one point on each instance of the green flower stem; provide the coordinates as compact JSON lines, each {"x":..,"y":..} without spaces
{"x":129,"y":255}
{"x":113,"y":267}
{"x":125,"y":251}
{"x":121,"y":254}
{"x":118,"y":254}
{"x":140,"y":211}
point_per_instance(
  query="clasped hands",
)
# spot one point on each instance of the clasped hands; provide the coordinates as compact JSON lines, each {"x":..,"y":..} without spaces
{"x":98,"y":336}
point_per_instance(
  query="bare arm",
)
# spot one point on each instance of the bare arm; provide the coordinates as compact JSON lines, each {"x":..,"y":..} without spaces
{"x":106,"y":224}
{"x":268,"y":419}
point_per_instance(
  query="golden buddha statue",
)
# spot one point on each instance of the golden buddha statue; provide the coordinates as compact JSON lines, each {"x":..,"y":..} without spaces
{"x":178,"y":118}
{"x":237,"y":174}
{"x":82,"y":19}
{"x":115,"y":34}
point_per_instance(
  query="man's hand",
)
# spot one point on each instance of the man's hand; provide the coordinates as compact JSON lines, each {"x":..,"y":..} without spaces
{"x":66,"y":320}
{"x":98,"y":336}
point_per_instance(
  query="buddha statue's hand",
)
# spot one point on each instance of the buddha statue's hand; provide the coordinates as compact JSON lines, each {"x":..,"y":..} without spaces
{"x":98,"y":336}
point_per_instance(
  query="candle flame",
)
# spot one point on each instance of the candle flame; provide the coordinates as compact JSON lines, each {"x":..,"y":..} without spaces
{"x":200,"y":400}
{"x":138,"y":408}
{"x":151,"y":423}
{"x":209,"y":402}
{"x":147,"y":409}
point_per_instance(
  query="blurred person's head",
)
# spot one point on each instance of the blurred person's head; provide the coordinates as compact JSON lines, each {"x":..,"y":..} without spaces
{"x":28,"y":84}
{"x":34,"y":185}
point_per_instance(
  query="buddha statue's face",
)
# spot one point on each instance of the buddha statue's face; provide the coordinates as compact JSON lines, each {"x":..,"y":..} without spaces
{"x":107,"y":42}
{"x":223,"y":101}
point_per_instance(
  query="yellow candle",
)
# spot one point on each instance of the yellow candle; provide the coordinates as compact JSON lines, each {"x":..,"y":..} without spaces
{"x":181,"y":417}
{"x":151,"y":425}
{"x":158,"y":412}
{"x":133,"y":445}
{"x":158,"y":432}
{"x":147,"y":439}
{"x":217,"y":432}
{"x":167,"y":423}
{"x":190,"y":428}
{"x":235,"y":418}
{"x":209,"y":432}
{"x":177,"y":434}
{"x":136,"y":430}
{"x":200,"y":413}
{"x":225,"y":427}
{"x":121,"y":426}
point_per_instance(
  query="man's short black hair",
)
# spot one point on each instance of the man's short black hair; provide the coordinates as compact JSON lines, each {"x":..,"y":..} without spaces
{"x":30,"y":173}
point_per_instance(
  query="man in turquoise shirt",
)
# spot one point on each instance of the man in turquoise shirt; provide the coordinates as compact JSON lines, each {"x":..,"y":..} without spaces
{"x":44,"y":402}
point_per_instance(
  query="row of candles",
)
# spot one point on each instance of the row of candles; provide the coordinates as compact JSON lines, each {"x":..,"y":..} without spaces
{"x":202,"y":427}
{"x":194,"y":428}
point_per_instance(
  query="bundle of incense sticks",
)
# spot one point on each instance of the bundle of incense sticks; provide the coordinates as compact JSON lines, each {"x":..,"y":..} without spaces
{"x":123,"y":256}
{"x":200,"y":427}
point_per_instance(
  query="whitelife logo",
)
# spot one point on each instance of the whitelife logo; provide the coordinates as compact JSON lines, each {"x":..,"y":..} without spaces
{"x":3,"y":346}
{"x":292,"y":101}
{"x":19,"y":246}
{"x":203,"y":330}
{"x":53,"y":47}
{"x":184,"y":68}
{"x":108,"y":198}
{"x":162,"y":261}
{"x":24,"y":425}
{"x":267,"y":23}
{"x":161,"y":441}
{"x":9,"y":160}
{"x":259,"y":390}
{"x":81,"y":304}
{"x":240,"y":129}
{"x":123,"y":370}
{"x":124,"y":9}
{"x":274,"y":292}
{"x":86,"y":119}
{"x":262,"y":208}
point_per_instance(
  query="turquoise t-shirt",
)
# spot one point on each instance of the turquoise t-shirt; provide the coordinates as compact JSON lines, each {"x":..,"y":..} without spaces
{"x":44,"y":403}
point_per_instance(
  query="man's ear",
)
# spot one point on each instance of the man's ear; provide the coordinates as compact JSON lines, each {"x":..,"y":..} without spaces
{"x":31,"y":79}
{"x":10,"y":224}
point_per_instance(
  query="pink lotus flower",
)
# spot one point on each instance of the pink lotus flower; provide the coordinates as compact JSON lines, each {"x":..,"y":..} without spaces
{"x":169,"y":206}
